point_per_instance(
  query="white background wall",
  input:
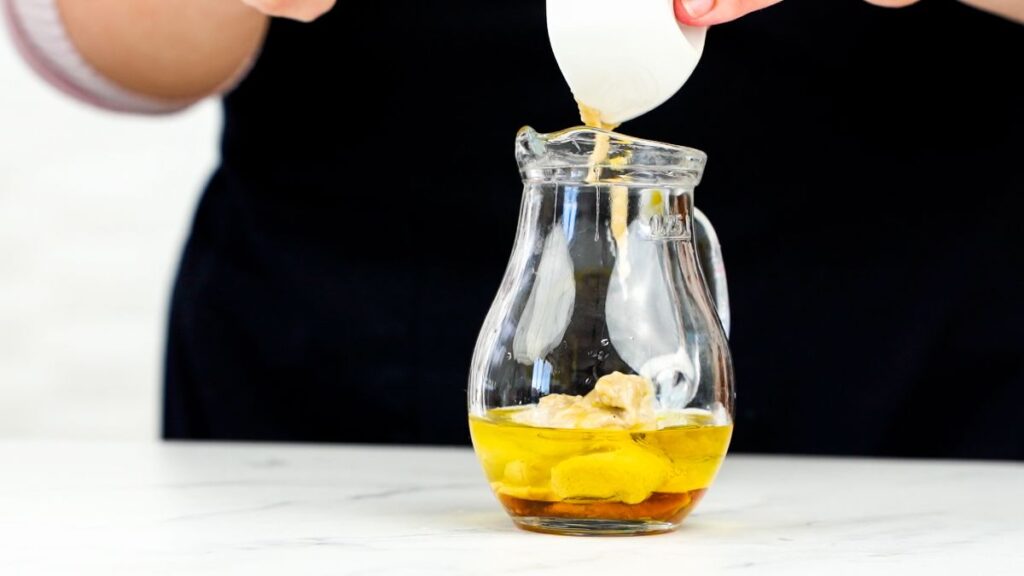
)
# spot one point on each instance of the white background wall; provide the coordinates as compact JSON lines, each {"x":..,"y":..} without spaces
{"x":93,"y":210}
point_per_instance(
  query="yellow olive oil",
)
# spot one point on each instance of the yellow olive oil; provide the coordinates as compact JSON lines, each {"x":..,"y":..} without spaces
{"x":611,"y":474}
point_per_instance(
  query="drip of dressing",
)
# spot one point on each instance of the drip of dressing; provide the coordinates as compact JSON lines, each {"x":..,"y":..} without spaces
{"x":592,"y":118}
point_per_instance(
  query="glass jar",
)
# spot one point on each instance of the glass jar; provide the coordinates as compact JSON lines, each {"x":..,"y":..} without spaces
{"x":601,"y":386}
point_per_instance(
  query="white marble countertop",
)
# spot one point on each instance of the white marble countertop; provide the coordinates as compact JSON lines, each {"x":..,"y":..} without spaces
{"x":85,"y":509}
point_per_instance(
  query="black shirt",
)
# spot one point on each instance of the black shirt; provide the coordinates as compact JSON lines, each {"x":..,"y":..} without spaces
{"x":864,"y":177}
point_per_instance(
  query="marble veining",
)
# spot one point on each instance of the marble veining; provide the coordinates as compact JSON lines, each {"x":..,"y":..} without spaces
{"x":217,"y":509}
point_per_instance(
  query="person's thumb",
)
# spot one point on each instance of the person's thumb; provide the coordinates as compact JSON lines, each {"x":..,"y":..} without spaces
{"x":707,"y":12}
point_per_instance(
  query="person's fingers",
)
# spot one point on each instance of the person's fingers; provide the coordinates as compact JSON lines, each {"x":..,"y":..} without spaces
{"x":303,"y":10}
{"x":707,"y":12}
{"x":892,"y":3}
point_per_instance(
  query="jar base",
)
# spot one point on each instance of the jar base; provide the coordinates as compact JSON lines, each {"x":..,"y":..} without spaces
{"x":592,"y":526}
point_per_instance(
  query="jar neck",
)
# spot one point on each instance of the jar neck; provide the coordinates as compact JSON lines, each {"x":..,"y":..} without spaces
{"x":610,"y":213}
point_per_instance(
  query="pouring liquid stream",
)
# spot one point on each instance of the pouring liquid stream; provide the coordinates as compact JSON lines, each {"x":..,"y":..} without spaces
{"x":591,"y":118}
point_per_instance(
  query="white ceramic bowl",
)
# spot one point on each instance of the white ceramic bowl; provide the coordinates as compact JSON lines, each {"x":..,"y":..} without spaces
{"x":622,"y":57}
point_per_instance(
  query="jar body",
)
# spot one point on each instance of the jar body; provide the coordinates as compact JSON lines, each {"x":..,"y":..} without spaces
{"x":601,"y":387}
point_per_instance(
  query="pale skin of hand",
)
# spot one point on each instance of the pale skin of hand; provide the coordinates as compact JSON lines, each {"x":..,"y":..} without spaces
{"x":709,"y":12}
{"x":175,"y":49}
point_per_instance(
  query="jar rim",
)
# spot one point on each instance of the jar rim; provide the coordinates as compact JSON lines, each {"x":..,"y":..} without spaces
{"x":574,"y":148}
